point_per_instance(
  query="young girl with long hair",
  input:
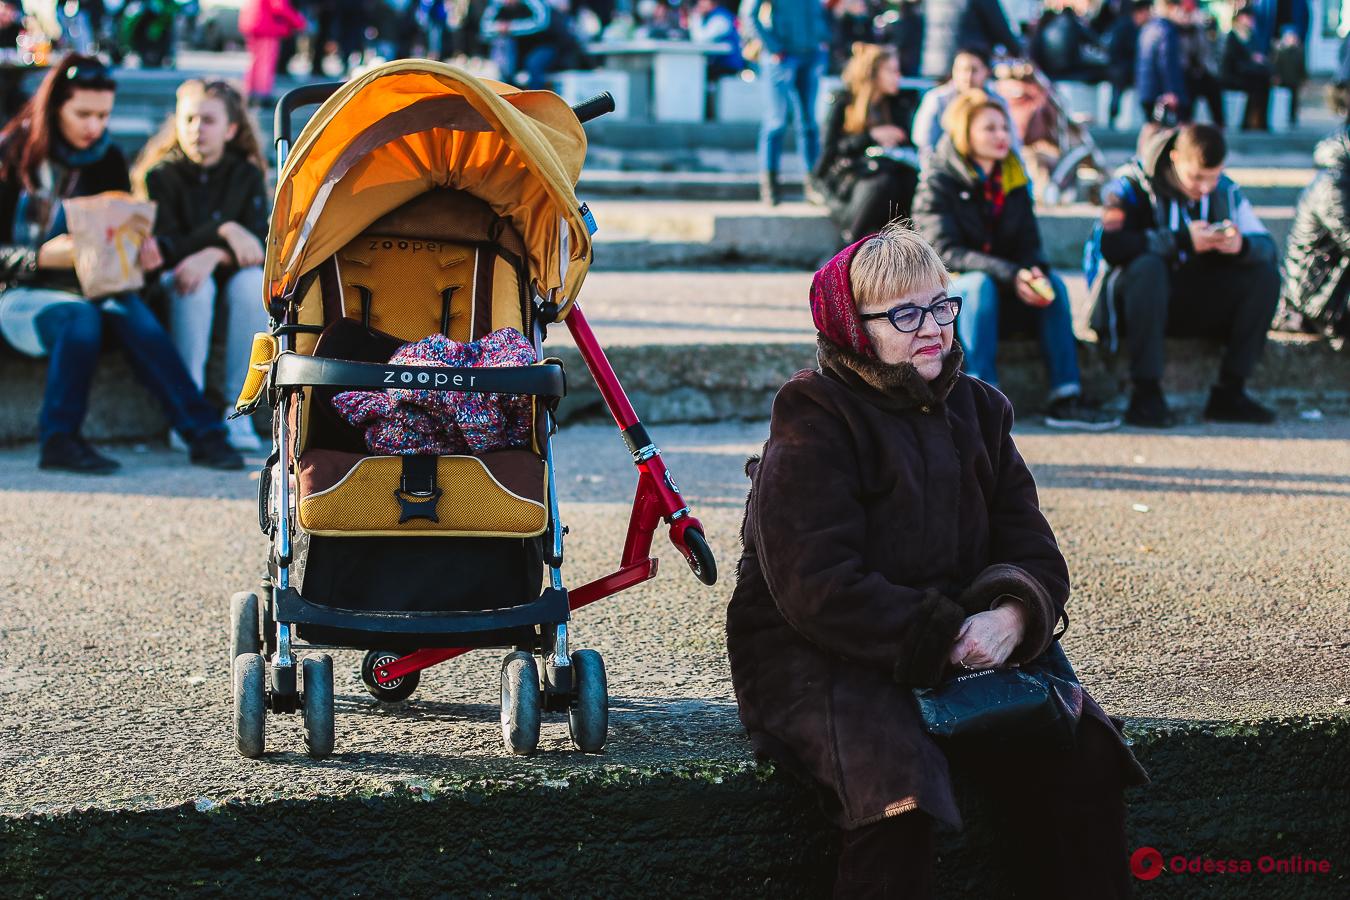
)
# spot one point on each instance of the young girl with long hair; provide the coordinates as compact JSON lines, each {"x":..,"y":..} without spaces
{"x":206,"y":172}
{"x":868,"y":166}
{"x":58,"y":147}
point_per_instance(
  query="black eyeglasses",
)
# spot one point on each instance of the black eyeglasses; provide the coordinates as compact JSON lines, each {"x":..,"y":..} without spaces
{"x":95,"y":75}
{"x":908,"y":318}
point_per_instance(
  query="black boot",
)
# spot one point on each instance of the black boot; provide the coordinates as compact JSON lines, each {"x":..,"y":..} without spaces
{"x":1231,"y":403}
{"x":1148,"y":407}
{"x":69,"y":453}
{"x":769,"y":191}
{"x":212,"y":450}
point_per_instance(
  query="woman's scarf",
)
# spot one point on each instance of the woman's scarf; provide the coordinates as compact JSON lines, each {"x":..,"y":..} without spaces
{"x":832,"y":306}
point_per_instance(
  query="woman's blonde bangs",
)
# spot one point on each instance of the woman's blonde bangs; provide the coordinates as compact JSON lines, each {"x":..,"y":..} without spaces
{"x":893,"y":263}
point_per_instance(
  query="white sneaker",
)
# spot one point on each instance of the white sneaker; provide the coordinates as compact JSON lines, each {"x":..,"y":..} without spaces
{"x":241,"y":434}
{"x":176,"y":441}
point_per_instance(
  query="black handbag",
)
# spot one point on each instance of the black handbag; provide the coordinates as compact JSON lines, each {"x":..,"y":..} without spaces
{"x":1039,"y":702}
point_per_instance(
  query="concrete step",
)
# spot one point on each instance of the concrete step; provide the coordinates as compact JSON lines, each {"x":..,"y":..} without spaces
{"x":715,"y":345}
{"x":638,"y":235}
{"x":1265,"y":187}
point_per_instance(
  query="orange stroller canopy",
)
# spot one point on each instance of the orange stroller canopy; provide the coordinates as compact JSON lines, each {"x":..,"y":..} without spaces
{"x":410,"y":126}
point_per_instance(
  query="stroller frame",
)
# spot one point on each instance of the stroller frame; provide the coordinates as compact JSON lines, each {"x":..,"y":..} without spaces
{"x":267,"y":680}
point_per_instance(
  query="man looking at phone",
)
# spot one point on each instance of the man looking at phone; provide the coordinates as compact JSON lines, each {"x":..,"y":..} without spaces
{"x":1187,"y":256}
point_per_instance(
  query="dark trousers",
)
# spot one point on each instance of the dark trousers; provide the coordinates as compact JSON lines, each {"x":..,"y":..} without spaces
{"x":1204,"y":86}
{"x":875,"y":199}
{"x":1208,"y":296}
{"x":1256,"y":111}
{"x":72,"y":333}
{"x":1060,"y":822}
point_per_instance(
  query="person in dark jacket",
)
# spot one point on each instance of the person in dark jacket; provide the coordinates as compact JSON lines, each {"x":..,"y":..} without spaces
{"x":1065,"y":48}
{"x":1317,"y":257}
{"x":204,"y":170}
{"x":1289,"y":68}
{"x":1199,"y":34}
{"x":795,"y":39}
{"x":974,"y":207}
{"x":902,"y":27}
{"x":525,"y":34}
{"x":1188,"y":256}
{"x":869,"y":165}
{"x":1159,"y":79}
{"x":1122,"y":48}
{"x":953,"y":24}
{"x":892,"y":538}
{"x":59,"y":147}
{"x":1244,"y":68}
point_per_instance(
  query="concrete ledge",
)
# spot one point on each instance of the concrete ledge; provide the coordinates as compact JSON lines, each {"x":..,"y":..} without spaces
{"x":1263,"y":187}
{"x":646,"y":235}
{"x":714,"y":382}
{"x":720,"y":828}
{"x":708,"y":383}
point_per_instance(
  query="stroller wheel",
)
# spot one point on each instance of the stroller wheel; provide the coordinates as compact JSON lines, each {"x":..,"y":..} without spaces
{"x":700,"y":559}
{"x":392,"y":691}
{"x":250,"y":705}
{"x":521,"y":703}
{"x":243,"y":624}
{"x":317,"y":689}
{"x":588,"y":715}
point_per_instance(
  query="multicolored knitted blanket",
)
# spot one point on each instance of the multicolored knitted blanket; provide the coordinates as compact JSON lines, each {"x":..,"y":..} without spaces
{"x":405,"y":422}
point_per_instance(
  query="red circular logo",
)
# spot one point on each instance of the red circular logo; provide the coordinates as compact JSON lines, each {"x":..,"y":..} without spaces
{"x":1146,"y":863}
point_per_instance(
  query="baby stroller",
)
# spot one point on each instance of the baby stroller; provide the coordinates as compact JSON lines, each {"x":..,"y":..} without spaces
{"x":1062,"y":158}
{"x":421,"y":200}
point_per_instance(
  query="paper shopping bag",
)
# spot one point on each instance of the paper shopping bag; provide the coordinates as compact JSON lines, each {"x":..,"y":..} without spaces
{"x":108,"y":230}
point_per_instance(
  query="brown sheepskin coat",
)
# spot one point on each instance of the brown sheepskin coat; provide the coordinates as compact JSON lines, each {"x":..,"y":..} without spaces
{"x":884,"y":511}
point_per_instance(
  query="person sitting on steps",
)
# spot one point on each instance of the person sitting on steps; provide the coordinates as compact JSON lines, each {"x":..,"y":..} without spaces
{"x":1187,"y":256}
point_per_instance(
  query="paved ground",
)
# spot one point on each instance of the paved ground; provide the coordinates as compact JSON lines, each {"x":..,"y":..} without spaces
{"x":1209,"y":568}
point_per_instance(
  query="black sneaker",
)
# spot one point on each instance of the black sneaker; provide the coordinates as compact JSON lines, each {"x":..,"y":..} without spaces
{"x":1149,"y":409}
{"x":213,"y":451}
{"x":770,"y":192}
{"x":1236,"y":405}
{"x":1075,"y":413}
{"x":69,"y":453}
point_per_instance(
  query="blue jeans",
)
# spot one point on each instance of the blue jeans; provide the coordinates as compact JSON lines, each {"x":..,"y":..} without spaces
{"x":72,"y":333}
{"x":538,"y":62}
{"x":790,"y":84}
{"x":982,"y":300}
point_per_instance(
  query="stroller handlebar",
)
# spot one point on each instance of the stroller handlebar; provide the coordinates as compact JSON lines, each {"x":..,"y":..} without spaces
{"x":305,"y":95}
{"x":314,"y":94}
{"x":595,"y":107}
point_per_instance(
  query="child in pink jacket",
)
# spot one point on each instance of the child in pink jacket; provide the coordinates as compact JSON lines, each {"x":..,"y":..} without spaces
{"x":264,"y":23}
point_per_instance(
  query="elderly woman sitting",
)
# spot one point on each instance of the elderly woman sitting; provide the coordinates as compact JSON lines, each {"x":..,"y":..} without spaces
{"x":893,"y":533}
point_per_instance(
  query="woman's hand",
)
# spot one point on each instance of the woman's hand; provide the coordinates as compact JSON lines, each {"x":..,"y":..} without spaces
{"x":987,"y":639}
{"x":189,"y":274}
{"x":887,"y":136}
{"x":1026,"y":282}
{"x":149,"y":258}
{"x":247,"y":249}
{"x":57,"y":253}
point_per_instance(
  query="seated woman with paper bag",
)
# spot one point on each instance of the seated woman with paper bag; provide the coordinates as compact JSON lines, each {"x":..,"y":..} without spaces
{"x":73,"y":252}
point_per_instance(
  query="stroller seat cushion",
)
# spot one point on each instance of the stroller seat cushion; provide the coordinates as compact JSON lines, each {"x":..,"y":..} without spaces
{"x":498,"y":494}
